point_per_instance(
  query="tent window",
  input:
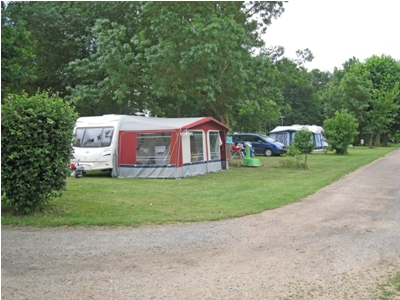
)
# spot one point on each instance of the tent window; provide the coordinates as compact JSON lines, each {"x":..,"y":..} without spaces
{"x":153,"y":148}
{"x":93,"y":137}
{"x":196,"y":146}
{"x":215,"y":145}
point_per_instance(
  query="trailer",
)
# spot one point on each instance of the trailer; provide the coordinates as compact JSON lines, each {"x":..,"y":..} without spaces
{"x":148,"y":147}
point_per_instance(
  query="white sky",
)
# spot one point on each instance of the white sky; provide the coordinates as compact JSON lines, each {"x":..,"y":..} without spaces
{"x":335,"y":31}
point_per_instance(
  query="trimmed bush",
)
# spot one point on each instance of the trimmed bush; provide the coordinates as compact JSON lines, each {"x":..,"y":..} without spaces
{"x":36,"y":136}
{"x":340,"y":132}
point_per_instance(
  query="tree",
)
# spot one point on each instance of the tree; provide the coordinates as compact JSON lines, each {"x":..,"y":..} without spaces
{"x":264,"y":97}
{"x":383,"y":113}
{"x":202,"y":50}
{"x":384,"y":73}
{"x":303,"y":56}
{"x":299,"y":93}
{"x":36,"y":139}
{"x":340,"y":131}
{"x":64,"y":33}
{"x":110,"y":79}
{"x":364,"y":90}
{"x":348,"y":90}
{"x":303,"y":141}
{"x":180,"y":58}
{"x":16,"y":55}
{"x":54,"y":27}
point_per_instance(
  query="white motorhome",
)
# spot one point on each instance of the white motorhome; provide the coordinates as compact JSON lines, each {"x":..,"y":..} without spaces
{"x":95,"y":141}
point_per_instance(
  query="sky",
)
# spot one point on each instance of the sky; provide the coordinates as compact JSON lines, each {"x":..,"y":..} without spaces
{"x":336,"y":31}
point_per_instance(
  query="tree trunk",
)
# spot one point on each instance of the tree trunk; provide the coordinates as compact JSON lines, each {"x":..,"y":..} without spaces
{"x":378,"y":139}
{"x":385,"y":139}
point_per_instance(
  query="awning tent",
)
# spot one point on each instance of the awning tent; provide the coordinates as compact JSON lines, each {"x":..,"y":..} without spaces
{"x":169,"y":147}
{"x":285,"y":134}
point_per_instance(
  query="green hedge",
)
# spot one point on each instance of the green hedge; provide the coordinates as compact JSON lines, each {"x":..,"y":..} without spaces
{"x":36,"y":135}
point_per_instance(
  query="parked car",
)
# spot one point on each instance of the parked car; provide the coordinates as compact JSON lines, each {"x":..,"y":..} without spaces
{"x":261,"y":143}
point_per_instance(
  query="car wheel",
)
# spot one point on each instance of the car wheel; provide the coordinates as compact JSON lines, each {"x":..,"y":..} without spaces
{"x":268,"y":152}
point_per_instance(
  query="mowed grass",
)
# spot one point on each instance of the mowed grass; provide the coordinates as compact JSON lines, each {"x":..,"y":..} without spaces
{"x":99,"y":200}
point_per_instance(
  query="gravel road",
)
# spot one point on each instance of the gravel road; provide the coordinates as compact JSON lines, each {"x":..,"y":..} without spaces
{"x":339,"y":243}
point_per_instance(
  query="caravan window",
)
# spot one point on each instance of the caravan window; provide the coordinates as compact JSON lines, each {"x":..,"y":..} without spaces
{"x":215,"y":145}
{"x":93,"y":137}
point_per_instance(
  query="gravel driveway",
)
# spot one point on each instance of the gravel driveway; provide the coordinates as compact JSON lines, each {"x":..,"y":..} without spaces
{"x":339,"y":243}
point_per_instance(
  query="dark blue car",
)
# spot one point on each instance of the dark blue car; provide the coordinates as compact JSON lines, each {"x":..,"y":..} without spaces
{"x":261,"y":143}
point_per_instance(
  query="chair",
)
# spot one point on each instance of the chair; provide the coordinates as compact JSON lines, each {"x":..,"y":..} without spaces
{"x":237,"y":151}
{"x":160,"y":153}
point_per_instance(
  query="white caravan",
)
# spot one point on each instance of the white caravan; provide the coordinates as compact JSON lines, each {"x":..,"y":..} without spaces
{"x":95,"y":140}
{"x":149,"y":147}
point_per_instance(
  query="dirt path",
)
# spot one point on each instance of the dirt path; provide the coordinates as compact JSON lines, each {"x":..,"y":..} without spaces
{"x":336,"y":244}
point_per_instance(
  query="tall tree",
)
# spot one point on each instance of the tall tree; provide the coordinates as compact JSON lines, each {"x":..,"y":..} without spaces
{"x":16,"y":55}
{"x":368,"y":92}
{"x":63,"y":33}
{"x":383,"y":113}
{"x":384,"y":73}
{"x":349,"y":91}
{"x":202,"y":50}
{"x":299,"y":93}
{"x":264,"y":97}
{"x":169,"y":57}
{"x":110,"y":79}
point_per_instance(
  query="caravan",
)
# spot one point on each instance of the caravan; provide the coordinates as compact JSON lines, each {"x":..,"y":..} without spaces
{"x":146,"y":147}
{"x":95,"y":141}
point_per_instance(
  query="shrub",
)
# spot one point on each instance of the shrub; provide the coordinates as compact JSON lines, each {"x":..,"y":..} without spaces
{"x":340,"y":131}
{"x":303,"y":141}
{"x":36,"y":136}
{"x":294,"y":162}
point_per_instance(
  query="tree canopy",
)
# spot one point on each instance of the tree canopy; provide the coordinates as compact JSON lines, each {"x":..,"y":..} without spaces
{"x":369,"y":92}
{"x":184,"y":59}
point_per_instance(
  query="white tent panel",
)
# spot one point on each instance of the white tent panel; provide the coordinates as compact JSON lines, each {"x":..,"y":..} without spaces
{"x":285,"y":134}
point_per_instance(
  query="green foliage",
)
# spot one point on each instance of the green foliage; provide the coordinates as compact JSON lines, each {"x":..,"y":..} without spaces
{"x":299,"y":91}
{"x":203,"y":50}
{"x":350,"y":91}
{"x":384,"y":111}
{"x":303,"y":141}
{"x":369,"y":92}
{"x":112,"y":67}
{"x":340,"y":131}
{"x":16,"y":55}
{"x":36,"y":136}
{"x":294,"y":161}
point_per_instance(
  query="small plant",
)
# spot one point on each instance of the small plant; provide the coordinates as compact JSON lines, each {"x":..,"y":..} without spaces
{"x":295,"y":161}
{"x":303,"y":141}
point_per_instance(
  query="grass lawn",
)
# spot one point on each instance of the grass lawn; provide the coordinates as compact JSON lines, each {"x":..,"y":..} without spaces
{"x":99,"y":200}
